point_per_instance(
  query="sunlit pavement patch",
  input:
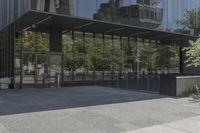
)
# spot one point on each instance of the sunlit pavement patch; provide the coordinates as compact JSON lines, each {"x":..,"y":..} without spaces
{"x":3,"y":129}
{"x":191,"y":125}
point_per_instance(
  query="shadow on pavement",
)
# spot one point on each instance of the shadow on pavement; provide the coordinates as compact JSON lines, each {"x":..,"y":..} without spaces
{"x":35,"y":100}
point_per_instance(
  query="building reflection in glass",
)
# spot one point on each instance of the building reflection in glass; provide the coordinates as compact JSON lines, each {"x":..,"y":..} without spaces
{"x":145,"y":13}
{"x":54,"y":6}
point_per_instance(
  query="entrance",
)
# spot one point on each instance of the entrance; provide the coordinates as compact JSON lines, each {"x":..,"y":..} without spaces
{"x":41,"y":70}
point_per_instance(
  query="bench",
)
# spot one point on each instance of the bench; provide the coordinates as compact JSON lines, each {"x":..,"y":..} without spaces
{"x":4,"y":83}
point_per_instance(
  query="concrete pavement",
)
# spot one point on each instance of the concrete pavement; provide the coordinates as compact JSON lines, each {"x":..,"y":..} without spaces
{"x":93,"y":109}
{"x":190,"y":125}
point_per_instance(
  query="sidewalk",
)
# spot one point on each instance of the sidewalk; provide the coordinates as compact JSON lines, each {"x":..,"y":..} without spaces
{"x":191,"y":125}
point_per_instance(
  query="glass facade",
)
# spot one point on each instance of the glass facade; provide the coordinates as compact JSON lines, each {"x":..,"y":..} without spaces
{"x":181,"y":16}
{"x":116,"y":61}
{"x":97,"y":58}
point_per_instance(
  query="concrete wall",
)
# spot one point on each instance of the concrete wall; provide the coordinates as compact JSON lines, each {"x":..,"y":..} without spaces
{"x":183,"y":83}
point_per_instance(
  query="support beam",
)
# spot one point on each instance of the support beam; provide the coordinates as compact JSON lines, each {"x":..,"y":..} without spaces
{"x":181,"y":60}
{"x":55,"y":40}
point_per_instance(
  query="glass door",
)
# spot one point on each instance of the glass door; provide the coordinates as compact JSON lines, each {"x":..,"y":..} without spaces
{"x":42,"y":71}
{"x":28,"y":70}
{"x":55,"y":66}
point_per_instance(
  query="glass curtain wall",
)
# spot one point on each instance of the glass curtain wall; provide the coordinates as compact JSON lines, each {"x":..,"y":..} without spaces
{"x":117,"y":61}
{"x":99,"y":60}
{"x":79,"y":57}
{"x":27,"y":45}
{"x":68,"y":52}
{"x":181,"y":16}
{"x":105,"y":60}
{"x":89,"y":40}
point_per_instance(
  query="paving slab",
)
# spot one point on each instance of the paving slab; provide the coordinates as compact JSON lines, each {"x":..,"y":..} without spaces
{"x":94,"y":109}
{"x":190,"y":125}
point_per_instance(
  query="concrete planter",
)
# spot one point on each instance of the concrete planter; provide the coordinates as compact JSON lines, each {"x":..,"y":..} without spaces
{"x":176,"y":85}
{"x":4,"y":86}
{"x":4,"y":83}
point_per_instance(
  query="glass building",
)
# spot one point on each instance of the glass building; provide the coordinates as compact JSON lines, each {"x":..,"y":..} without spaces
{"x":127,"y":44}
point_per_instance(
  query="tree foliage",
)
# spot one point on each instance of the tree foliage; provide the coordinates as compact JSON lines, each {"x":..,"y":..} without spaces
{"x":108,"y":55}
{"x":193,"y":54}
{"x":191,"y":20}
{"x":32,"y":41}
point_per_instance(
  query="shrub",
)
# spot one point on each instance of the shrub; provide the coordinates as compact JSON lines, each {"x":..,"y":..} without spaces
{"x":192,"y":92}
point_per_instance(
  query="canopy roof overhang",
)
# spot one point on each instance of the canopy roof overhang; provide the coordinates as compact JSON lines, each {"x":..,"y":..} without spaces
{"x":44,"y":21}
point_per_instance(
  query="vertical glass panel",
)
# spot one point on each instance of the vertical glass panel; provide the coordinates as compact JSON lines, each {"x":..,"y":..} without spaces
{"x":117,"y":61}
{"x":98,"y":59}
{"x":107,"y":60}
{"x":17,"y":68}
{"x":132,"y":64}
{"x":148,"y":13}
{"x":90,"y":52}
{"x":126,"y":48}
{"x":105,"y":10}
{"x":29,"y":70}
{"x":55,"y":66}
{"x":87,"y":8}
{"x":24,"y":6}
{"x":65,"y":7}
{"x":79,"y":57}
{"x":54,"y":6}
{"x":167,"y":56}
{"x":67,"y":48}
{"x":122,"y":78}
{"x":122,"y":11}
{"x":181,"y":16}
{"x":42,"y":71}
{"x":35,"y":41}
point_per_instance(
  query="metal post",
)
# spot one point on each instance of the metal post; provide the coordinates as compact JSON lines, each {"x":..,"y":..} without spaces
{"x":62,"y":70}
{"x":36,"y":72}
{"x":181,"y":60}
{"x":49,"y":67}
{"x":84,"y":73}
{"x":94,"y":51}
{"x":13,"y":55}
{"x":73,"y":55}
{"x":103,"y":74}
{"x":137,"y":62}
{"x":122,"y":62}
{"x":21,"y":61}
{"x":127,"y":75}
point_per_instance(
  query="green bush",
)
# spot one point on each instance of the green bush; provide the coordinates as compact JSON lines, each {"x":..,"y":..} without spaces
{"x":192,"y":92}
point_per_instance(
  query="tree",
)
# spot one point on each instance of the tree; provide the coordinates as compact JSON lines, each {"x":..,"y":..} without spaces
{"x":190,"y":21}
{"x":32,"y":41}
{"x":193,"y":54}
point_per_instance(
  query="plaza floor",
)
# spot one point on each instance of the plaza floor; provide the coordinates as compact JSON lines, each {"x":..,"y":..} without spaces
{"x":93,"y":109}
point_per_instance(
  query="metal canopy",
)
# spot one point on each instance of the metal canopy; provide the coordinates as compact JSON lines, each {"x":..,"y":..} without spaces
{"x":43,"y":22}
